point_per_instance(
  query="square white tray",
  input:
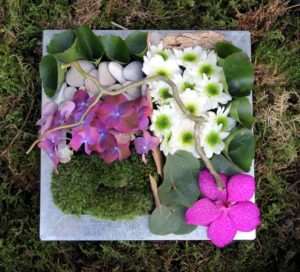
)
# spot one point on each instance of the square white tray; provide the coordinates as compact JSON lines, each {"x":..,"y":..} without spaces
{"x":56,"y":226}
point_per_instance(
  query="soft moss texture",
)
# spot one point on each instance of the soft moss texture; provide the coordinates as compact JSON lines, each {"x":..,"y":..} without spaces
{"x":88,"y":185}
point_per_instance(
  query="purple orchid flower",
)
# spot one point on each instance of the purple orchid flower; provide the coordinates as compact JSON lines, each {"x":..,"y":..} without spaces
{"x":84,"y":135}
{"x":144,"y":110}
{"x":146,"y":143}
{"x":66,"y":108}
{"x":225,"y":211}
{"x":119,"y":113}
{"x":48,"y":112}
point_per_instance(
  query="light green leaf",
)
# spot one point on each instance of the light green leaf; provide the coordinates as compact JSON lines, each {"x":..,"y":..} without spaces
{"x":115,"y":48}
{"x":239,"y":74}
{"x":240,"y":148}
{"x":184,"y":227}
{"x":165,"y":221}
{"x":241,"y":111}
{"x":61,"y":42}
{"x":52,"y":74}
{"x":137,"y":43}
{"x":70,"y":54}
{"x":225,"y":48}
{"x":225,"y":166}
{"x":88,"y":44}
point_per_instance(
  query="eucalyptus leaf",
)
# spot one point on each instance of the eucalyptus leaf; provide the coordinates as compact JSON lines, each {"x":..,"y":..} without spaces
{"x":225,"y":48}
{"x":70,"y":54}
{"x":225,"y":166}
{"x":137,"y":43}
{"x":115,"y":48}
{"x":239,"y":74}
{"x":60,"y":42}
{"x":164,"y":221}
{"x":240,"y":148}
{"x":241,"y":111}
{"x":184,"y":227}
{"x":88,"y":44}
{"x":52,"y":74}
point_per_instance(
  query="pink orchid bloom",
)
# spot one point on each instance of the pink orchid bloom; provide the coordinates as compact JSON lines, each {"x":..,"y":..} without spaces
{"x":146,"y":143}
{"x":48,"y":112}
{"x":225,"y":211}
{"x":66,"y":108}
{"x":144,"y":110}
{"x":119,"y":113}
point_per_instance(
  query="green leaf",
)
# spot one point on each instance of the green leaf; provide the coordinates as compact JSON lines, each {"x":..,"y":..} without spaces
{"x":61,"y":42}
{"x":240,"y":148}
{"x":165,"y":221}
{"x":239,"y":74}
{"x":70,"y":54}
{"x":115,"y":48}
{"x":88,"y":43}
{"x":241,"y":111}
{"x":52,"y":74}
{"x":225,"y":48}
{"x":137,"y":43}
{"x":225,"y":166}
{"x":184,"y":227}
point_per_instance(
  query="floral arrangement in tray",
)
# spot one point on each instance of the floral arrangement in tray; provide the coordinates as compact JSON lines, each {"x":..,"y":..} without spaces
{"x":136,"y":128}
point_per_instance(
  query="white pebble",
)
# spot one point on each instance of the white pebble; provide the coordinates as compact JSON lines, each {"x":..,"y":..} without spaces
{"x":133,"y":71}
{"x":116,"y":70}
{"x":104,"y":76}
{"x":74,"y":78}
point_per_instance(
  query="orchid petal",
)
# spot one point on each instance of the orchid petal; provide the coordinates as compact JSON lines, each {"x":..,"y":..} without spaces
{"x":124,"y":152}
{"x":140,"y":145}
{"x":202,"y":213}
{"x":76,"y":142}
{"x":222,"y":230}
{"x":49,"y":108}
{"x":245,"y":215}
{"x":110,"y":155}
{"x":80,"y":96}
{"x":66,"y":108}
{"x":240,"y":187}
{"x":115,"y":99}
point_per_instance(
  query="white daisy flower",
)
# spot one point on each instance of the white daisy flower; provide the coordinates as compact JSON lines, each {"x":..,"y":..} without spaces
{"x":159,"y":50}
{"x":158,"y":66}
{"x":212,"y":139}
{"x":188,"y":56}
{"x":161,"y":92}
{"x":213,"y":91}
{"x":162,"y":120}
{"x":186,"y":82}
{"x":221,"y":118}
{"x":166,"y":145}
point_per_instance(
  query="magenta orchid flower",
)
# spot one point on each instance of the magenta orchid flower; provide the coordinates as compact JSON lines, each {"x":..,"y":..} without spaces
{"x":48,"y":112}
{"x":146,"y":143}
{"x":118,"y":113}
{"x":84,"y":135}
{"x":144,"y":110}
{"x":225,"y":211}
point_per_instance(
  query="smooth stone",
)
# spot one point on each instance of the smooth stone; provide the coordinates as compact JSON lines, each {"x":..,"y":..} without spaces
{"x":144,"y":90}
{"x":74,"y":78}
{"x":116,"y":70}
{"x":133,"y":93}
{"x":59,"y":97}
{"x":114,"y":87}
{"x":90,"y":85}
{"x":69,"y":92}
{"x":133,"y":71}
{"x":104,"y":75}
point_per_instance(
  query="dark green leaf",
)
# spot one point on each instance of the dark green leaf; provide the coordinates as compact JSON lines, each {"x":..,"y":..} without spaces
{"x":52,"y":74}
{"x":239,"y":74}
{"x":137,"y":43}
{"x":225,"y":166}
{"x":88,"y":44}
{"x":164,"y":222}
{"x":70,"y":54}
{"x":240,"y":147}
{"x":115,"y":48}
{"x":61,"y":42}
{"x":225,"y":48}
{"x":184,"y":227}
{"x":241,"y":111}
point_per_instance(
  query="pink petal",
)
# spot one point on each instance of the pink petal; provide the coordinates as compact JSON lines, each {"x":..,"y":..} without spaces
{"x":245,"y":215}
{"x":203,"y":212}
{"x":240,"y":187}
{"x":93,"y":136}
{"x":76,"y":142}
{"x":66,"y":108}
{"x":49,"y":108}
{"x":222,"y":230}
{"x":209,"y":188}
{"x":124,"y":152}
{"x":115,"y":99}
{"x":120,"y":137}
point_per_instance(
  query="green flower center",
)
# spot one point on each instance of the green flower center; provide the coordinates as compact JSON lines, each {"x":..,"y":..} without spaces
{"x":162,"y":53}
{"x":222,"y":120}
{"x":207,"y":69}
{"x":192,"y":108}
{"x":163,"y":122}
{"x":212,"y":90}
{"x":187,"y":138}
{"x":188,"y":85}
{"x":162,"y":72}
{"x":190,"y":57}
{"x":213,"y":139}
{"x":164,"y":93}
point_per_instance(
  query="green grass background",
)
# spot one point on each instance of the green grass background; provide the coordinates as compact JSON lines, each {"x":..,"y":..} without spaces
{"x":275,"y":29}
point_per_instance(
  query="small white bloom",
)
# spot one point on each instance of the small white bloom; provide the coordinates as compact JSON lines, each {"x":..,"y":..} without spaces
{"x":212,"y":139}
{"x":221,"y":118}
{"x":186,"y":82}
{"x":159,"y":50}
{"x":162,"y":120}
{"x":166,"y":145}
{"x":188,"y":56}
{"x":64,"y":153}
{"x":158,"y":66}
{"x":161,"y":92}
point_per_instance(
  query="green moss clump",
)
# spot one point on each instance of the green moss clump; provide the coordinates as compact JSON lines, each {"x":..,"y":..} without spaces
{"x":87,"y":185}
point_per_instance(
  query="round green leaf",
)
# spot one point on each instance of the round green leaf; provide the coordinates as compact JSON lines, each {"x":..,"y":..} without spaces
{"x":115,"y":48}
{"x":225,"y":48}
{"x":239,"y":74}
{"x":52,"y":74}
{"x":241,"y":111}
{"x":88,"y":44}
{"x":225,"y":166}
{"x":70,"y":54}
{"x":240,"y":148}
{"x":137,"y":43}
{"x":61,"y":42}
{"x":164,"y":221}
{"x":184,"y":227}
